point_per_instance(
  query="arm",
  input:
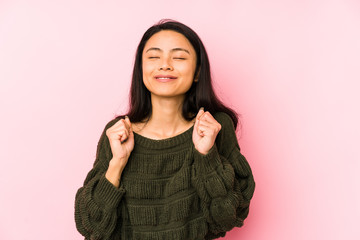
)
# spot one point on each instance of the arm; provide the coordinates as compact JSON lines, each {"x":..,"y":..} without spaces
{"x":224,"y":181}
{"x":96,"y":202}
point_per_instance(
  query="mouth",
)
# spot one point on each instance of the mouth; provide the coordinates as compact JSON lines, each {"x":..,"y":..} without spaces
{"x":165,"y":78}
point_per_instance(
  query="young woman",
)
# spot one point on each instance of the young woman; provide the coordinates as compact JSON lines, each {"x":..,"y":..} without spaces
{"x":172,"y":167}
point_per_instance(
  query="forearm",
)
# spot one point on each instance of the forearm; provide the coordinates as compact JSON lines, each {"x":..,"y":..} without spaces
{"x":225,"y":193}
{"x":95,"y":206}
{"x":97,"y":201}
{"x":114,"y":171}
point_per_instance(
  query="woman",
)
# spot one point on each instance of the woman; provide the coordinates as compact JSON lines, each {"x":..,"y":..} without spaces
{"x":172,"y":167}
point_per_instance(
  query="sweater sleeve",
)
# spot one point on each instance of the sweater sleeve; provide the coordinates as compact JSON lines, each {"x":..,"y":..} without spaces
{"x":224,"y":181}
{"x":96,"y":202}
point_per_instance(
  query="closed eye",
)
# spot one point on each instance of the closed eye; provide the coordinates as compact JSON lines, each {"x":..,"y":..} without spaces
{"x":153,"y":57}
{"x":180,"y":58}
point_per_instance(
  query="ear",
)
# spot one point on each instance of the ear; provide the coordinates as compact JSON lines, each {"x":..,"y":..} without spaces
{"x":196,"y":78}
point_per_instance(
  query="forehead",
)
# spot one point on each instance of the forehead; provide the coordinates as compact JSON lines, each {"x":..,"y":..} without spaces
{"x":167,"y":40}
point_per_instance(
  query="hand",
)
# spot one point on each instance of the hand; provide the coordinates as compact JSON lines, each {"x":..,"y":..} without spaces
{"x":205,"y":131}
{"x":121,"y":139}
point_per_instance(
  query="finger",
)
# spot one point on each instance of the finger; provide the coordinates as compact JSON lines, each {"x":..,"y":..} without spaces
{"x":122,"y":131}
{"x":209,"y":130}
{"x":196,"y":127}
{"x":200,"y":129}
{"x":197,"y":121}
{"x":119,"y":129}
{"x":124,"y":135}
{"x":207,"y":117}
{"x":213,"y":126}
{"x":128,"y":123}
{"x":122,"y":124}
{"x":200,"y":113}
{"x":118,"y":123}
{"x":204,"y":123}
{"x":200,"y":132}
{"x":208,"y":120}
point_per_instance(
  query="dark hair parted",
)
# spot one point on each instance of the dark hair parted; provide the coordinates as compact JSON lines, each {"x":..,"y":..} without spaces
{"x":200,"y":94}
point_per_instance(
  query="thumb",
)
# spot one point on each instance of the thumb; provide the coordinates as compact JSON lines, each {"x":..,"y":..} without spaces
{"x":200,"y":113}
{"x":196,"y":125}
{"x":128,"y":123}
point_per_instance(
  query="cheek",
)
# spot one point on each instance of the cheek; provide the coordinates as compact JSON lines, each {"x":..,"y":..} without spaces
{"x":192,"y":68}
{"x":187,"y":70}
{"x":146,"y":68}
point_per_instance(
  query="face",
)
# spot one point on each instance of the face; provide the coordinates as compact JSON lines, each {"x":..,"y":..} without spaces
{"x":168,"y":64}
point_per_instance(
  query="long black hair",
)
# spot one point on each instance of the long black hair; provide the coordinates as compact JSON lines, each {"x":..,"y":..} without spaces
{"x":200,"y":94}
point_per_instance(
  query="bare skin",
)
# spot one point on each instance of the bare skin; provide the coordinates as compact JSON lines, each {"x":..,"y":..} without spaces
{"x":162,"y":57}
{"x":121,"y":137}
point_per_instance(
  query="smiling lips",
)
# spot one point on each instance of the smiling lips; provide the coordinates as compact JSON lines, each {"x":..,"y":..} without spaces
{"x":165,"y":78}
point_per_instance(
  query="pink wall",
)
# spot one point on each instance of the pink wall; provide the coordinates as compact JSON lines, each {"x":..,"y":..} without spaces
{"x":291,"y":68}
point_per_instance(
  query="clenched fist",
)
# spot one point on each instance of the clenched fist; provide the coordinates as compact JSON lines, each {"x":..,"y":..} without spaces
{"x":121,"y":139}
{"x":205,"y":131}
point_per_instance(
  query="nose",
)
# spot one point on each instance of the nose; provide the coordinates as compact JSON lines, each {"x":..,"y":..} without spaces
{"x":165,"y":65}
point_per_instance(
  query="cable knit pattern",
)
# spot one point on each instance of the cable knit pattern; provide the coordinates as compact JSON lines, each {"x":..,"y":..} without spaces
{"x":168,"y":190}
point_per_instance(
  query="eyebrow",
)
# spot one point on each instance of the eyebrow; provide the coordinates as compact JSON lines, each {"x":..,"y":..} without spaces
{"x":172,"y":50}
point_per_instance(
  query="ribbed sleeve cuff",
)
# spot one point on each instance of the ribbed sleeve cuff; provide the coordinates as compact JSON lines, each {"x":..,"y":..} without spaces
{"x":205,"y":164}
{"x":108,"y":194}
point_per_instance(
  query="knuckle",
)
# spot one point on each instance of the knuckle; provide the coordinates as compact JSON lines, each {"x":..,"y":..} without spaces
{"x":108,"y":131}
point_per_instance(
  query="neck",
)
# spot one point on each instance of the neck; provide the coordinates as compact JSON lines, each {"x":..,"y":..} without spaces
{"x":166,"y":119}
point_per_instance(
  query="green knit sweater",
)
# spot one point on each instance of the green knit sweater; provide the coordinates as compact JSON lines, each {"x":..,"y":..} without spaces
{"x":168,"y":190}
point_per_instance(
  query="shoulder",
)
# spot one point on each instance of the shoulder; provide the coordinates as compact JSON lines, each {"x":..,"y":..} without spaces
{"x":224,"y":119}
{"x":226,"y":138}
{"x":110,"y":123}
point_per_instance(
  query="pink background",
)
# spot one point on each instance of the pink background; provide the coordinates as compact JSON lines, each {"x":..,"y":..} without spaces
{"x":291,"y":68}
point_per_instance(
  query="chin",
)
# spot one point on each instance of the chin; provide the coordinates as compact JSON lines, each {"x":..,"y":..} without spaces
{"x":167,"y":94}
